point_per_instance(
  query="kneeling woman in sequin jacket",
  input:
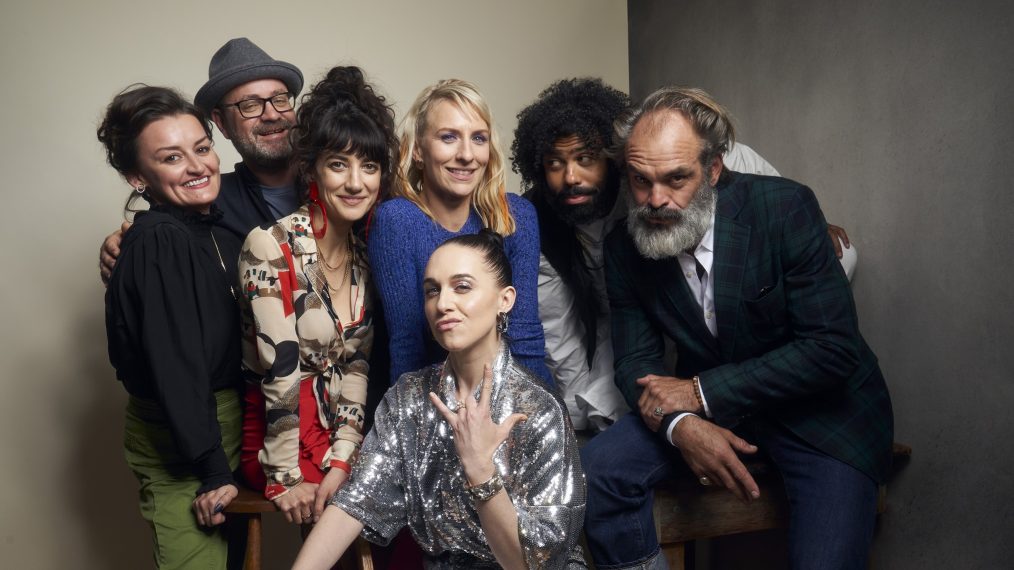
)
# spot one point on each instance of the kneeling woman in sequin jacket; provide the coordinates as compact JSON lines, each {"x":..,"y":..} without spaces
{"x":475,"y":455}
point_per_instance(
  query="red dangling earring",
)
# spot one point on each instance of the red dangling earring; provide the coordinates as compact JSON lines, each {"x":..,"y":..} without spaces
{"x":315,"y":201}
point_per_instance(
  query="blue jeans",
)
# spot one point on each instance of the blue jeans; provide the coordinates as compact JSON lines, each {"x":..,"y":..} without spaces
{"x":832,"y":506}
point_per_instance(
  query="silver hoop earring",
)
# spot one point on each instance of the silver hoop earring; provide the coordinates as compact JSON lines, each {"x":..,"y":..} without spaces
{"x":503,"y":320}
{"x":140,"y":188}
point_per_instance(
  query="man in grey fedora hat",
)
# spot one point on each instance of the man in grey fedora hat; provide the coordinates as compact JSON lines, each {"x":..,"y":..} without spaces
{"x":250,"y":96}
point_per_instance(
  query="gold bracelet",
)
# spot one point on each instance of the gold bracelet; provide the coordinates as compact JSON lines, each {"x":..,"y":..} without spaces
{"x":697,"y":392}
{"x":486,"y":490}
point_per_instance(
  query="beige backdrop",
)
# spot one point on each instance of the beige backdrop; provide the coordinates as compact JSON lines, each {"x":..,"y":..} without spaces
{"x":68,"y":499}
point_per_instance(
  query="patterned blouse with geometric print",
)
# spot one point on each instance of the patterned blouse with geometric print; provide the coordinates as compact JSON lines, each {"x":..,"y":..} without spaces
{"x":291,"y":332}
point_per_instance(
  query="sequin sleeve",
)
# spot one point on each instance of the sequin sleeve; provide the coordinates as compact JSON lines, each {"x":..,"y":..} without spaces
{"x":375,"y":494}
{"x":547,"y":487}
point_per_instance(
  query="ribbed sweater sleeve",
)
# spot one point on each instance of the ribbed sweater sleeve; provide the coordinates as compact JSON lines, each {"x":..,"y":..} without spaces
{"x":527,"y":340}
{"x":399,"y":247}
{"x":401,"y":242}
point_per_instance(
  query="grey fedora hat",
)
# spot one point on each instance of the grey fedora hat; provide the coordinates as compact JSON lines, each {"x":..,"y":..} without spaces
{"x":240,"y":61}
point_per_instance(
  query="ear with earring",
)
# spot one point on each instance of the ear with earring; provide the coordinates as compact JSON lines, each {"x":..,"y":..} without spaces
{"x":503,"y":320}
{"x":140,"y":188}
{"x":314,"y":195}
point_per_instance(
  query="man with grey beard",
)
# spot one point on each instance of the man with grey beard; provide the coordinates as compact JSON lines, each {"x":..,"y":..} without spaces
{"x":736,"y":271}
{"x":559,"y":151}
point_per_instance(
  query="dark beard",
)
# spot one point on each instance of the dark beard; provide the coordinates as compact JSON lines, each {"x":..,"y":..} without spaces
{"x":598,"y":207}
{"x":270,"y":158}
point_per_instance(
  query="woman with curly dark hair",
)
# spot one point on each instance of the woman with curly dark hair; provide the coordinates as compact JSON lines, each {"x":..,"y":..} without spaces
{"x":171,"y":325}
{"x":308,"y":312}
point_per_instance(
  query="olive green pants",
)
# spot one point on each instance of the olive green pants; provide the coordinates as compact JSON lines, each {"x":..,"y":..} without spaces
{"x":168,"y":485}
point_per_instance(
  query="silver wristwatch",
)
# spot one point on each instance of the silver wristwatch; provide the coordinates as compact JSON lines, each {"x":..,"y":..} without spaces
{"x":485,"y":491}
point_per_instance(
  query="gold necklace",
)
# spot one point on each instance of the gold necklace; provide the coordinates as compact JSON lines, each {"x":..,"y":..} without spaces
{"x":349,"y":258}
{"x":222,"y":263}
{"x":323,"y":260}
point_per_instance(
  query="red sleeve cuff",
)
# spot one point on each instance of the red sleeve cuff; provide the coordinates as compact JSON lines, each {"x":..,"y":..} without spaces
{"x":341,"y":465}
{"x":273,"y":490}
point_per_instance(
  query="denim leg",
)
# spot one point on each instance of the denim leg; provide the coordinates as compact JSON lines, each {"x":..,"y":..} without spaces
{"x":622,"y":466}
{"x":832,"y":505}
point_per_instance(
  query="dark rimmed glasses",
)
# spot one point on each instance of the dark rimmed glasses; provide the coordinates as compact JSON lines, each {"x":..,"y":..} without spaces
{"x":254,"y":107}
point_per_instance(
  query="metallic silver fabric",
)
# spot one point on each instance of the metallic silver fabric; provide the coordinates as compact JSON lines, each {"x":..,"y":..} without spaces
{"x":409,"y":473}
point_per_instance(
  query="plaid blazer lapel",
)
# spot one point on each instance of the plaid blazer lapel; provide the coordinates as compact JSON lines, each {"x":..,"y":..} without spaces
{"x":670,"y":280}
{"x":732,"y":241}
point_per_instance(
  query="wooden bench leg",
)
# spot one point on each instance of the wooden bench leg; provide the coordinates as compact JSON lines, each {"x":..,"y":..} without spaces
{"x":679,"y":555}
{"x":252,"y":560}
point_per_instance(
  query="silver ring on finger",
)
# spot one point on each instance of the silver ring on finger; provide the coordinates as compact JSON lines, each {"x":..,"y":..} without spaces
{"x":659,"y":412}
{"x":705,"y":480}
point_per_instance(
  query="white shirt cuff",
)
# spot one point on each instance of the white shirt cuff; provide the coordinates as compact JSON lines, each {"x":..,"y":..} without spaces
{"x":672,"y":426}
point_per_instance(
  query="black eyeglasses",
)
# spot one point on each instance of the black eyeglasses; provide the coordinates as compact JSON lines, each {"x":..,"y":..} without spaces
{"x":254,"y":107}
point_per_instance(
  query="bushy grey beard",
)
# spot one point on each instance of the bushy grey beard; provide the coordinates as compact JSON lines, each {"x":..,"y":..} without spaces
{"x":669,"y":240}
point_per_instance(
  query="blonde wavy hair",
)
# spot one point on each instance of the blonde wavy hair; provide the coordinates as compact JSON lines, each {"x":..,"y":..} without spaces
{"x":490,"y":197}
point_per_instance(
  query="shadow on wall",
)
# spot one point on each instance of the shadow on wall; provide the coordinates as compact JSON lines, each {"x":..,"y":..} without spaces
{"x":102,"y":492}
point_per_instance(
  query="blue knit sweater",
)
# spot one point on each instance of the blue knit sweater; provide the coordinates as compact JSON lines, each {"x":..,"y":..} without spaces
{"x":400,"y":244}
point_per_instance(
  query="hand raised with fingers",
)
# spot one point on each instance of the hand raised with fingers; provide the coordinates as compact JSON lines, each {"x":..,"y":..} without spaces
{"x":476,"y":437}
{"x":711,"y":453}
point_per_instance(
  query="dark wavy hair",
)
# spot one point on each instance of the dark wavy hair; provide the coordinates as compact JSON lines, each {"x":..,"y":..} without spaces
{"x":131,"y":111}
{"x":586,"y":108}
{"x":490,"y":245}
{"x":343,"y":113}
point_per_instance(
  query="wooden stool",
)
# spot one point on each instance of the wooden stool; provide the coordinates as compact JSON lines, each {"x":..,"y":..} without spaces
{"x":250,"y":504}
{"x":686,"y":511}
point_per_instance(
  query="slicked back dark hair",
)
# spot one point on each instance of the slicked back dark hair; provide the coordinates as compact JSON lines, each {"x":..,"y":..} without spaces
{"x":490,"y":245}
{"x":585,"y":108}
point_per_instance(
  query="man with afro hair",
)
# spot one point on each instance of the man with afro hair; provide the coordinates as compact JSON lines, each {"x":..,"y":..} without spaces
{"x":559,"y":150}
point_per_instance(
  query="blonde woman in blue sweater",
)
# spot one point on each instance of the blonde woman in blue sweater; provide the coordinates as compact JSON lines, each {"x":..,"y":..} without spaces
{"x":452,"y":183}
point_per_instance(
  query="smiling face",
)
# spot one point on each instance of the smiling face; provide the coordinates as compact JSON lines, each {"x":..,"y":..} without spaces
{"x":177,"y":163}
{"x":349,"y":185}
{"x":264,"y":140}
{"x":462,"y":299}
{"x":454,"y":150}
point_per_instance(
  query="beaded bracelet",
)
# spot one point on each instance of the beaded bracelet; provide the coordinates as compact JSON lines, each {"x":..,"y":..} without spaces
{"x":697,"y":392}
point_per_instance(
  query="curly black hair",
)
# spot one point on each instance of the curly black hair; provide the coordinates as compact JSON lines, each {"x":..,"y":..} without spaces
{"x":586,"y":108}
{"x":583,"y":106}
{"x":343,"y":113}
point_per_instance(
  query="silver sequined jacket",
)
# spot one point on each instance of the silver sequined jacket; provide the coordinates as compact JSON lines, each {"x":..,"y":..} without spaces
{"x":409,"y":472}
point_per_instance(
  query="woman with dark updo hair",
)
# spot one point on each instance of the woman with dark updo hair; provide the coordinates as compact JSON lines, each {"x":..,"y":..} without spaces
{"x":307,"y":307}
{"x":171,"y":322}
{"x":475,"y":455}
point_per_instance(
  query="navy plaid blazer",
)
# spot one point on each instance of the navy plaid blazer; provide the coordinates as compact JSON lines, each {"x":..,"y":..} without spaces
{"x":788,"y":348}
